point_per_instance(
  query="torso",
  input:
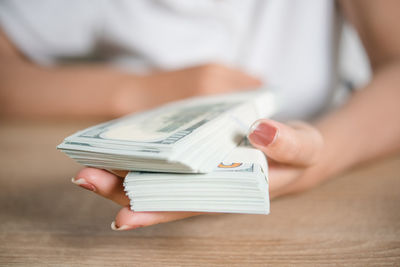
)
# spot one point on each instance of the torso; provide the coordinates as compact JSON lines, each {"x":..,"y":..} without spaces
{"x":290,"y":45}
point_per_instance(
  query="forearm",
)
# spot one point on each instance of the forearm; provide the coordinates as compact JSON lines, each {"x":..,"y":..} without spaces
{"x":30,"y":90}
{"x":367,"y":127}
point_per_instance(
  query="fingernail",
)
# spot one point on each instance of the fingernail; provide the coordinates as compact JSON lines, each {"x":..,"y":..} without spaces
{"x":123,"y":227}
{"x":262,"y":134}
{"x":84,"y":184}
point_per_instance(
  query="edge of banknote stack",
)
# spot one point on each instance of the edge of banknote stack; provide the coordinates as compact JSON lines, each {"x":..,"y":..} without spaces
{"x":239,"y":184}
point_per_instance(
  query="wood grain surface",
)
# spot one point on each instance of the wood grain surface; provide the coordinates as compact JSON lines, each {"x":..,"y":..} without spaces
{"x":353,"y":220}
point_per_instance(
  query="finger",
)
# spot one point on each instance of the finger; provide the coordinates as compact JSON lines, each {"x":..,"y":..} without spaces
{"x":280,"y":177}
{"x":242,"y":80}
{"x":232,"y":77}
{"x":295,"y":144}
{"x":102,"y":183}
{"x":127,"y":219}
{"x":304,"y":180}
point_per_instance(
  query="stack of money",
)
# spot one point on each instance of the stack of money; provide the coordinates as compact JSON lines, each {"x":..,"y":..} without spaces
{"x":190,"y":136}
{"x":182,"y":155}
{"x":238,"y":185}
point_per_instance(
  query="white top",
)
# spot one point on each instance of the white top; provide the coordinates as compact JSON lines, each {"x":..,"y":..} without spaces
{"x":288,"y":44}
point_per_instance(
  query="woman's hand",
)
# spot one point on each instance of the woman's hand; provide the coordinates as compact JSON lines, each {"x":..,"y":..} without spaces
{"x":157,"y":88}
{"x":291,"y":150}
{"x":110,"y":186}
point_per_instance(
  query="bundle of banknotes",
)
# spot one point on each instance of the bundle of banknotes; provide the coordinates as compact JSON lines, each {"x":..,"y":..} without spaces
{"x":181,"y":144}
{"x":239,"y":184}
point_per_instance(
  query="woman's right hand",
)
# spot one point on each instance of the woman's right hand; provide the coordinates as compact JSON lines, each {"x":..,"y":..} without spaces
{"x":143,"y":92}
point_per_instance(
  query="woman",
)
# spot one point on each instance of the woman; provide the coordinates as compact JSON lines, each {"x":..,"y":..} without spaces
{"x":151,"y":52}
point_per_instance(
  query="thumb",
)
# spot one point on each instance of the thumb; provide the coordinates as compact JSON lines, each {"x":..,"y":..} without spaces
{"x":295,"y":143}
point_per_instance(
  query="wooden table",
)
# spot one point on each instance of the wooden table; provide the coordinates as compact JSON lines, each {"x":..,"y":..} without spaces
{"x":45,"y":220}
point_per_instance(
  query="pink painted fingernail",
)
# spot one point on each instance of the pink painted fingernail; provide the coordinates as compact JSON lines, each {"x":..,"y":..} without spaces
{"x":262,"y":134}
{"x":83,"y":183}
{"x":123,"y":227}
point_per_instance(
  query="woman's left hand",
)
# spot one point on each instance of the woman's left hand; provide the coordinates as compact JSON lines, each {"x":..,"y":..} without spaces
{"x":292,"y":149}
